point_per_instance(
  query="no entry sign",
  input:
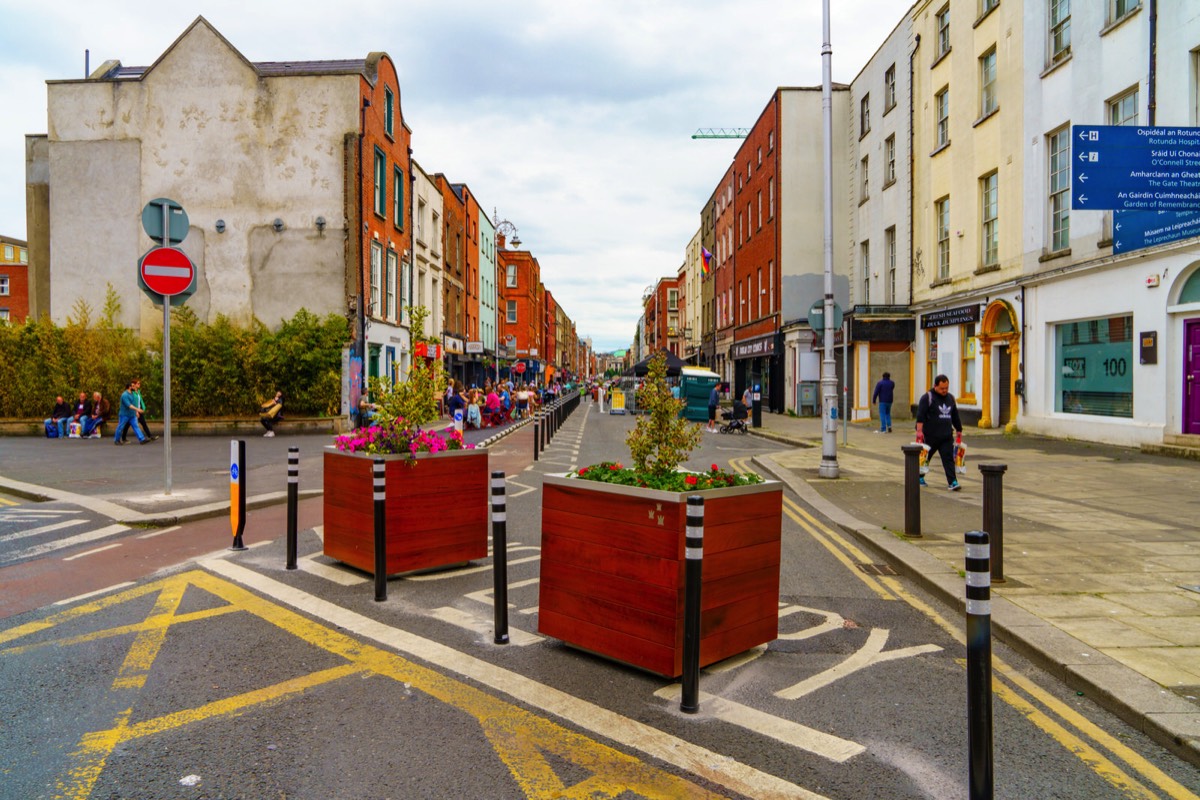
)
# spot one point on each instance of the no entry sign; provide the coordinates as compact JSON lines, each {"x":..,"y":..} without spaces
{"x":166,"y":271}
{"x":519,"y":367}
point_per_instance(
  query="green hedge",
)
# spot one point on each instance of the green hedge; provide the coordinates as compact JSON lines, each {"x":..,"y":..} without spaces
{"x":217,"y":369}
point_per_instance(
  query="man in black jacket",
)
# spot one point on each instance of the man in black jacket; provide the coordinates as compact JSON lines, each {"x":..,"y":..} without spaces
{"x":938,"y":425}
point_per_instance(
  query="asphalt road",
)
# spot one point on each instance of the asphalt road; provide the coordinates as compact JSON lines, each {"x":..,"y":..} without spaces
{"x":229,"y":676}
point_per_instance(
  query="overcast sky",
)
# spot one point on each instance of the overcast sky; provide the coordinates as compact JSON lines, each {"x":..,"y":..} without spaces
{"x":573,"y":119}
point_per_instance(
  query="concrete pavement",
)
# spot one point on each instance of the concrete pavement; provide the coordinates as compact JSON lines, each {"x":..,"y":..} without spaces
{"x":1101,"y":554}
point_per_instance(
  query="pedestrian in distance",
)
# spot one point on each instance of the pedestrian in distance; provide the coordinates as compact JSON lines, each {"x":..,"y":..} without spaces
{"x":939,"y":427}
{"x":714,"y":400}
{"x":56,"y":424}
{"x":884,"y":394}
{"x":127,"y":417}
{"x":79,"y":414}
{"x":100,"y":412}
{"x":141,"y":417}
{"x":271,"y":412}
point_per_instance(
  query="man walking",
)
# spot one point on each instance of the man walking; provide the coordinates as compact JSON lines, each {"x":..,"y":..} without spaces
{"x":883,"y":395}
{"x":714,"y":400}
{"x":939,"y":427}
{"x":127,"y":417}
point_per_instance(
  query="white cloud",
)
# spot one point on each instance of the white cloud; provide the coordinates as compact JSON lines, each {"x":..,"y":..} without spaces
{"x":573,"y":119}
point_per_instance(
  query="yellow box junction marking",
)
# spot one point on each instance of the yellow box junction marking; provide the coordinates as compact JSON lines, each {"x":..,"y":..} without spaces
{"x":521,"y":739}
{"x":1076,"y":745}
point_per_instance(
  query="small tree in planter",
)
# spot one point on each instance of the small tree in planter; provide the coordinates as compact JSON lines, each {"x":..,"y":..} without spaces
{"x":612,"y":577}
{"x":437,"y":508}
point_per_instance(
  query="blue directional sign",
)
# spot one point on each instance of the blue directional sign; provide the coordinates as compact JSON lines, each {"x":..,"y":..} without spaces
{"x":1132,"y":168}
{"x":1135,"y":230}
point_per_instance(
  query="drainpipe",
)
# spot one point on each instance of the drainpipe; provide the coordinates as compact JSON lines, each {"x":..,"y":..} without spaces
{"x":912,"y":57}
{"x":1153,"y":59}
{"x":361,"y":311}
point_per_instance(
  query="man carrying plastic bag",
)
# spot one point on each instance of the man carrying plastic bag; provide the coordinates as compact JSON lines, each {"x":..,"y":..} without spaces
{"x":938,"y":426}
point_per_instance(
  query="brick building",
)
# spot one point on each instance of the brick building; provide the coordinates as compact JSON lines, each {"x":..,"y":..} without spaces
{"x":14,"y":280}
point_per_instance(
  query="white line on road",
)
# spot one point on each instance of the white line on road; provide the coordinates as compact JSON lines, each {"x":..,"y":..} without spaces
{"x":330,"y":572}
{"x":480,"y":625}
{"x":152,"y":534}
{"x":71,"y":541}
{"x":705,"y":764}
{"x":23,"y":511}
{"x":458,"y":573}
{"x":56,"y":526}
{"x":792,"y":734}
{"x":92,"y":552}
{"x":88,"y":595}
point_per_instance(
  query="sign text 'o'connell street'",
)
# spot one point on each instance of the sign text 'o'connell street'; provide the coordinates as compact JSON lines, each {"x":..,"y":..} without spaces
{"x":1133,"y":168}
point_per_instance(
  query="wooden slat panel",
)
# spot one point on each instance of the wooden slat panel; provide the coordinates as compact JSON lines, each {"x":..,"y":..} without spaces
{"x":652,"y":541}
{"x":578,"y":580}
{"x":742,"y":560}
{"x":616,"y":508}
{"x":629,"y":649}
{"x":744,"y":611}
{"x":617,"y":617}
{"x":611,"y":561}
{"x":723,"y":644}
{"x":762,"y":582}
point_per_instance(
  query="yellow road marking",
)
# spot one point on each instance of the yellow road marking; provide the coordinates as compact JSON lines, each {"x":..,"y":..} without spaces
{"x":6,"y":502}
{"x":1096,"y":761}
{"x":522,"y":739}
{"x":819,"y":535}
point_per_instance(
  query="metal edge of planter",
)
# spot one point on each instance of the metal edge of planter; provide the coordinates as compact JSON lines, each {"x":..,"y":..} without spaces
{"x":564,"y":479}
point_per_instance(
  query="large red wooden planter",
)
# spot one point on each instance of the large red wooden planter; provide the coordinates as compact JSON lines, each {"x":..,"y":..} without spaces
{"x":437,"y":509}
{"x":612,"y":577}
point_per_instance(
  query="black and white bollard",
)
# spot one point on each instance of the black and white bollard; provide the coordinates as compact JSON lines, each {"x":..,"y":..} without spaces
{"x":379,"y":471}
{"x":689,"y":701}
{"x":979,"y":666}
{"x":536,"y":437}
{"x":912,"y":489}
{"x":993,"y":515}
{"x":293,"y":500}
{"x":499,"y":558}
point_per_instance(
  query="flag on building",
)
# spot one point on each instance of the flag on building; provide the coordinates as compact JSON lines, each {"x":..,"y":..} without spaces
{"x":707,"y":256}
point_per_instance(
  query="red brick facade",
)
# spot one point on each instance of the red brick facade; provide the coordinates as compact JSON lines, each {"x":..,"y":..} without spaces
{"x":14,"y":280}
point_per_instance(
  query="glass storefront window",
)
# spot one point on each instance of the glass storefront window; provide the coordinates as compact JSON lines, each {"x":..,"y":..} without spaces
{"x":968,"y":363}
{"x":1094,"y":367}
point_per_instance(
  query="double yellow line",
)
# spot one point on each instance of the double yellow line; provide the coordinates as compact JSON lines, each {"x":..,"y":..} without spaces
{"x":1043,"y":709}
{"x":4,"y":501}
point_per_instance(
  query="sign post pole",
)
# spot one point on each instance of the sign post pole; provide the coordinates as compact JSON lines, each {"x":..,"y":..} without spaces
{"x":166,"y":304}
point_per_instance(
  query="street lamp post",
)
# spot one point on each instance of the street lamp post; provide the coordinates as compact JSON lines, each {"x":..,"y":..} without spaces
{"x":829,"y":462}
{"x":503,"y":228}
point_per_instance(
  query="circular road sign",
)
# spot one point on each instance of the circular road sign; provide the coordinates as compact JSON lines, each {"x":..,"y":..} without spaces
{"x":166,"y":271}
{"x":519,"y":367}
{"x":176,"y":218}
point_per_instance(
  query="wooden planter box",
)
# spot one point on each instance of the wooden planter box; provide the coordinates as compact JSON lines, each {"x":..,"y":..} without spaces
{"x":437,"y":509}
{"x":612,"y":577}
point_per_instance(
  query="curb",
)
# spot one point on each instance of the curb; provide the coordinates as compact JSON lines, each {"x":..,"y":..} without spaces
{"x":1133,"y":697}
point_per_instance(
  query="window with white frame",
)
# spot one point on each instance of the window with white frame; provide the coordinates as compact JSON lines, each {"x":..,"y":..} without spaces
{"x":771,"y":290}
{"x":1123,"y":109}
{"x":1059,"y":185}
{"x":942,"y":218}
{"x":1121,"y":8}
{"x":865,"y":250}
{"x":24,"y":256}
{"x":771,"y":198}
{"x":510,"y":314}
{"x":4,"y":315}
{"x":390,"y":284}
{"x":889,"y":255}
{"x":889,"y":89}
{"x":864,"y":115}
{"x":421,"y":221}
{"x":988,"y":101}
{"x":4,"y":285}
{"x":864,"y":184}
{"x":889,"y":160}
{"x":9,"y":253}
{"x":510,"y":276}
{"x":941,"y":105}
{"x":770,"y":141}
{"x":943,"y":32}
{"x":989,"y":213}
{"x":672,"y":299}
{"x":1060,"y":30}
{"x":376,"y":278}
{"x":749,"y":221}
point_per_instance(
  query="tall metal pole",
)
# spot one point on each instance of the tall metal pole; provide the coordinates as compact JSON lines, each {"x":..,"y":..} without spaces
{"x":829,"y":463}
{"x":166,"y":301}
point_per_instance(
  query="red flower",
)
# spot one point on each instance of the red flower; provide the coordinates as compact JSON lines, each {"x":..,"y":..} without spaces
{"x":583,"y":471}
{"x":690,"y":480}
{"x":614,"y":466}
{"x":714,"y":468}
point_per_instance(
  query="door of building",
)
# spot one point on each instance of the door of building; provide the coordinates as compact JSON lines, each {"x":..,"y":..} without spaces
{"x":1003,"y":386}
{"x":1191,"y":376}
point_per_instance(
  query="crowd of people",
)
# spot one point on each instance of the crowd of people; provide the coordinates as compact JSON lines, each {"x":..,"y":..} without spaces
{"x":495,"y":403}
{"x":86,"y":417}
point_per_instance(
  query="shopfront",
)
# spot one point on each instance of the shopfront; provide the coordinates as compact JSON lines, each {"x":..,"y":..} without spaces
{"x":759,"y":362}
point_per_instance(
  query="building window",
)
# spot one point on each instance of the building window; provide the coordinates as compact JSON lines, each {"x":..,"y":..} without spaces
{"x":967,"y":350}
{"x":421,"y":210}
{"x":510,"y":313}
{"x":987,"y":83}
{"x":380,"y":183}
{"x":1123,"y":110}
{"x":388,"y":102}
{"x":398,"y":199}
{"x":1060,"y":30}
{"x":376,"y":277}
{"x":1094,"y":367}
{"x":889,"y":155}
{"x":941,"y":104}
{"x":749,"y":221}
{"x":1060,"y":186}
{"x":864,"y":187}
{"x":672,"y":299}
{"x":770,"y":141}
{"x":771,"y":198}
{"x":865,"y":249}
{"x":4,"y":285}
{"x":4,"y":315}
{"x":987,"y":5}
{"x":760,"y":156}
{"x":931,"y":356}
{"x":24,"y":256}
{"x":759,"y":291}
{"x":889,"y":254}
{"x":864,"y":115}
{"x":943,"y":32}
{"x":760,"y":208}
{"x":889,"y":89}
{"x":771,"y":290}
{"x":942,"y":213}
{"x":390,"y":284}
{"x":10,"y":252}
{"x":510,"y":277}
{"x":1120,"y":8}
{"x":989,"y":213}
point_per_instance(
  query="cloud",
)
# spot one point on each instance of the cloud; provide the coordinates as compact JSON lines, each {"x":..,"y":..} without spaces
{"x":571,"y":119}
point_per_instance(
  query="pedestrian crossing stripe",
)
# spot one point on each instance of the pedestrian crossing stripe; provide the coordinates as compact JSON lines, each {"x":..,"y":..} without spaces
{"x":529,"y":745}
